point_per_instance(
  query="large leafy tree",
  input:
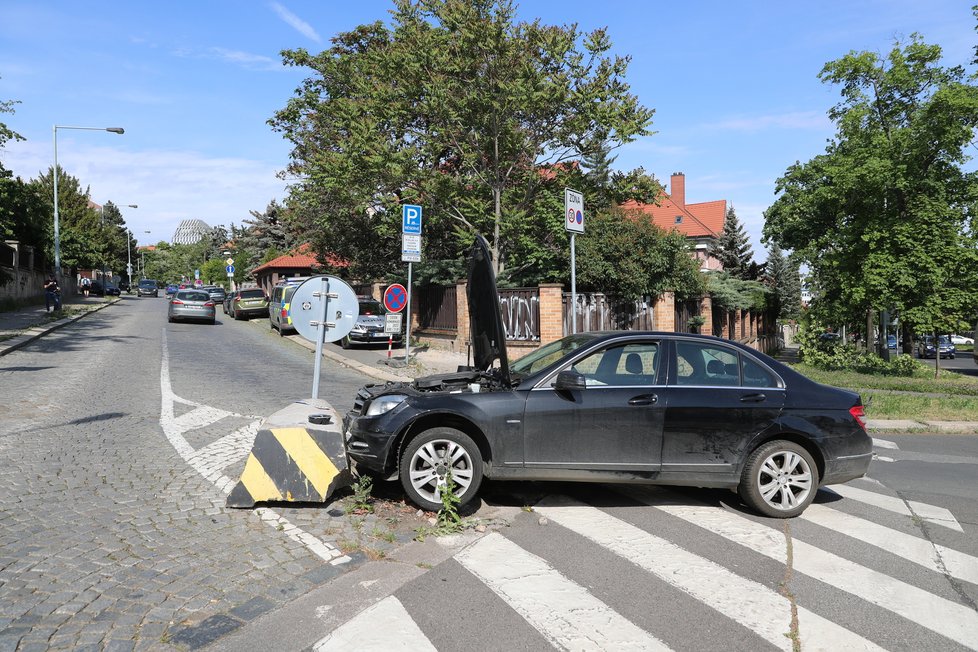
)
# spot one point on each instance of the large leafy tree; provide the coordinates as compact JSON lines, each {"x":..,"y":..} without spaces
{"x":733,"y":248}
{"x":267,"y":235}
{"x":457,"y":107}
{"x":629,"y":257}
{"x":882,"y":217}
{"x":82,"y":244}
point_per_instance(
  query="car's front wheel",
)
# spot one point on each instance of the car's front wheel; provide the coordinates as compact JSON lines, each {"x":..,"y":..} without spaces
{"x":779,"y":480}
{"x":434,"y":455}
{"x":345,"y":342}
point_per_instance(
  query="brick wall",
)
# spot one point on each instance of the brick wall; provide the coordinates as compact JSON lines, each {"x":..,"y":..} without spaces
{"x":551,"y":312}
{"x":664,"y":313}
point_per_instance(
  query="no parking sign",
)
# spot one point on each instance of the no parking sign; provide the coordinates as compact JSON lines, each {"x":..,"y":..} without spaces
{"x":395,"y":297}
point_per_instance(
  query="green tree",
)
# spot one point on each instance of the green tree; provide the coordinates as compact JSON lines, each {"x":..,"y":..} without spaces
{"x":882,"y":217}
{"x":268,"y":231}
{"x":79,"y":221}
{"x":733,"y":248}
{"x":629,"y":257}
{"x":785,"y":284}
{"x":456,"y":107}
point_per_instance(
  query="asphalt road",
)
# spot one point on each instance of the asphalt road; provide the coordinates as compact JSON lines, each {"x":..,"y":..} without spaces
{"x":116,"y":433}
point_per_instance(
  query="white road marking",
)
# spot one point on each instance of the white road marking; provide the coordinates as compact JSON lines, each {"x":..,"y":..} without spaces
{"x":563,"y":611}
{"x":881,"y":458}
{"x":885,"y":443}
{"x":210,"y":468}
{"x":930,"y":513}
{"x":920,"y":551}
{"x":384,"y":626}
{"x":749,"y":603}
{"x":938,"y":614}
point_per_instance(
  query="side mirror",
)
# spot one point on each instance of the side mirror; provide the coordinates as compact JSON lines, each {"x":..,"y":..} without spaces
{"x":569,"y":380}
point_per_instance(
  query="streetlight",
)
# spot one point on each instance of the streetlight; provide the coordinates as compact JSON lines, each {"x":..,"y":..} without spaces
{"x":57,"y":232}
{"x":129,"y":251}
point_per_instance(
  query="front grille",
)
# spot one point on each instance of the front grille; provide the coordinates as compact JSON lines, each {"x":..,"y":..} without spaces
{"x":360,"y":403}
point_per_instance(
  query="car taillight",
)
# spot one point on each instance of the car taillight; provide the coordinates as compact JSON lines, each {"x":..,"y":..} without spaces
{"x":859,"y":415}
{"x":285,"y":313}
{"x":209,"y":304}
{"x":177,"y":302}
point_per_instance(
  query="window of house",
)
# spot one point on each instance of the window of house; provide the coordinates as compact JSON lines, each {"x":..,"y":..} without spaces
{"x":679,"y":219}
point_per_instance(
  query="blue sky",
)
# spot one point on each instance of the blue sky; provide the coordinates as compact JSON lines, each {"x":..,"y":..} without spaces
{"x":734,"y":87}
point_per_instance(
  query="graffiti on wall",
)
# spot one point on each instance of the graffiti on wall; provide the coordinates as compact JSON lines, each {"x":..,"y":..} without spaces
{"x":520,"y":312}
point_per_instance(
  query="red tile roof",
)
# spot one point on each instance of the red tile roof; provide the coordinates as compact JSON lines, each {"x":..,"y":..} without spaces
{"x":302,"y":257}
{"x":704,"y":219}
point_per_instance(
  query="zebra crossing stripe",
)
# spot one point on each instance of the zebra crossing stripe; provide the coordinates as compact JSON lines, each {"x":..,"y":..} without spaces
{"x":566,"y":613}
{"x":747,"y":602}
{"x":930,"y":513}
{"x":938,"y":614}
{"x":920,"y":551}
{"x":384,"y":626}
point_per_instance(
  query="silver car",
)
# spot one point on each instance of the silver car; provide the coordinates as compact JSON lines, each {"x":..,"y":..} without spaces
{"x":191,"y":304}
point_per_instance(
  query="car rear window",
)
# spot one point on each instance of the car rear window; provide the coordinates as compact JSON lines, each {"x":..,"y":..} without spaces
{"x":252,"y":294}
{"x":194,"y":295}
{"x":146,"y":283}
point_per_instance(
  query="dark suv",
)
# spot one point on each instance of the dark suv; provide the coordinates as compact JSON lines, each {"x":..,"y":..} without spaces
{"x":148,"y":288}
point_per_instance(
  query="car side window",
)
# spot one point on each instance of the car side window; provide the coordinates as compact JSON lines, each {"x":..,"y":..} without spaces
{"x":757,"y":376}
{"x":621,"y":365}
{"x":706,"y":364}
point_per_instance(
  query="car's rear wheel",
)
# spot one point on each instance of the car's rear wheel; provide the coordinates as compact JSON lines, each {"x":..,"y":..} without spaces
{"x":779,"y":480}
{"x":237,"y":316}
{"x":431,"y":457}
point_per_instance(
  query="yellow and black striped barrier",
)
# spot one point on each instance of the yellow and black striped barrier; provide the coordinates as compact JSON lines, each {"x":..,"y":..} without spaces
{"x":292,"y":465}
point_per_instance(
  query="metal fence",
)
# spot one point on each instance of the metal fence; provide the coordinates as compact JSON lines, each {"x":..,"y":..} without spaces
{"x":599,"y":312}
{"x":437,"y":307}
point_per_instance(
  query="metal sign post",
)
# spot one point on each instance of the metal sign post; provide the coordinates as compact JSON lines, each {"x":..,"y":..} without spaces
{"x":410,"y":253}
{"x":320,"y":333}
{"x":574,"y":224}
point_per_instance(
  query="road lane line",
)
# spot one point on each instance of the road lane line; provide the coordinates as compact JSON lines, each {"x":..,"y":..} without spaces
{"x":919,"y":551}
{"x":938,"y":614}
{"x":885,"y":443}
{"x":384,"y":626}
{"x":930,"y":513}
{"x":566,"y":613}
{"x":749,"y":603}
{"x":174,"y":434}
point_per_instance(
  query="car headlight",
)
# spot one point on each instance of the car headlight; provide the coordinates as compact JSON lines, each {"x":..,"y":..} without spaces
{"x":360,"y":328}
{"x":384,"y":404}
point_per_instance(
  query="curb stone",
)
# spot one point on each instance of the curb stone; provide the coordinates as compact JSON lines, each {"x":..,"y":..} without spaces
{"x":36,"y":332}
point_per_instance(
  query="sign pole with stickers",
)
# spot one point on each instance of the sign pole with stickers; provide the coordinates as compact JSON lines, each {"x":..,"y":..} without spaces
{"x":410,"y":253}
{"x":573,"y":224}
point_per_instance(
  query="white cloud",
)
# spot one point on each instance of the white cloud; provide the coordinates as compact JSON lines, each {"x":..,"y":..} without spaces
{"x":246,"y":59}
{"x":794,"y":120}
{"x":167,"y":185}
{"x":295,"y":22}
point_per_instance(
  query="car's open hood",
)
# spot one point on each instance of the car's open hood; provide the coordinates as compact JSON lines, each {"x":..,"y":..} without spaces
{"x":485,"y":319}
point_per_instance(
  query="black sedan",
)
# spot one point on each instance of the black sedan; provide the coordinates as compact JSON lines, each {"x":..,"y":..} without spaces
{"x":658,"y":408}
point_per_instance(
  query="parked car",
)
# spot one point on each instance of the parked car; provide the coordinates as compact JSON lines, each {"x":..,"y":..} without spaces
{"x":369,"y":326}
{"x":925,"y":347}
{"x":171,"y":289}
{"x":191,"y":305}
{"x":217,"y":293}
{"x":112,"y":290}
{"x":891,"y":342}
{"x":278,"y":304}
{"x":615,"y":406}
{"x":245,"y":304}
{"x":147,"y":288}
{"x":227,"y":301}
{"x":958,"y":340}
{"x":125,"y":286}
{"x":96,"y":289}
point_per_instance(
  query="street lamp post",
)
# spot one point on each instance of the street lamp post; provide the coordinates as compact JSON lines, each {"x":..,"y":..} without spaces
{"x":57,"y":232}
{"x":142,"y":260}
{"x":129,"y":251}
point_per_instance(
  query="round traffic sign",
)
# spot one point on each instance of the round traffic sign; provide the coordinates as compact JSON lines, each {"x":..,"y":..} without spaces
{"x":342,"y":308}
{"x":395,"y":298}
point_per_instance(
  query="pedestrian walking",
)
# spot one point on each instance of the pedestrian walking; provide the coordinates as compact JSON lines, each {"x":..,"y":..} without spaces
{"x":86,"y":285}
{"x":52,"y":294}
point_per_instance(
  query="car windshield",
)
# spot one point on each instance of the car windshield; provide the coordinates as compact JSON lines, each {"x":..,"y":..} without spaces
{"x":252,"y":294}
{"x":547,"y":355}
{"x":145,"y":283}
{"x":371,"y":308}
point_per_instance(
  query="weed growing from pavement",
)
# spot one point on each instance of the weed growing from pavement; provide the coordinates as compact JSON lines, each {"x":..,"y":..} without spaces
{"x":362,"y":500}
{"x":448,"y":520}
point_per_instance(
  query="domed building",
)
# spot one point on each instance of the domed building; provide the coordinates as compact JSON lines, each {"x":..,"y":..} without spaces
{"x":190,"y":231}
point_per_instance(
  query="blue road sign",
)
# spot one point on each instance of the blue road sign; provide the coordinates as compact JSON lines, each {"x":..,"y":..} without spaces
{"x":411,"y":219}
{"x":229,"y":269}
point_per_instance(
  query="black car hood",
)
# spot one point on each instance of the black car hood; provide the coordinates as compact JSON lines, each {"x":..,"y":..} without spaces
{"x":485,"y":319}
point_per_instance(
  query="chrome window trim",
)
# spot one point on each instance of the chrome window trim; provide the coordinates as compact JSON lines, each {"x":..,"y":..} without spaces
{"x":544,"y":383}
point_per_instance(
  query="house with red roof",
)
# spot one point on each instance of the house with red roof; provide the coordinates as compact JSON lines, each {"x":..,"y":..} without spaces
{"x":700,"y":222}
{"x":302,"y":261}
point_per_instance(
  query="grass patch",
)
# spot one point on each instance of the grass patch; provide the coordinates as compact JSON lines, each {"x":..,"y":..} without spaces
{"x":922,"y":381}
{"x":916,"y":407}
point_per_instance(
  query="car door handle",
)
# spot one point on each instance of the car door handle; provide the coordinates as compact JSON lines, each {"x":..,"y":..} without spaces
{"x":644,"y":399}
{"x":752,"y":398}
